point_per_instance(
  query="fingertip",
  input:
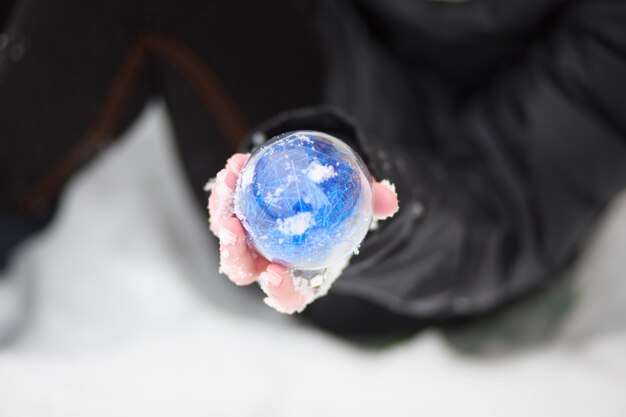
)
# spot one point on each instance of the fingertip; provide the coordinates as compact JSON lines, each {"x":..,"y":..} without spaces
{"x":237,"y":271}
{"x":274,"y":279}
{"x":280,"y":307}
{"x":235,"y":261}
{"x":277,"y":283}
{"x":385,"y":199}
{"x":236,"y":162}
{"x":227,"y":237}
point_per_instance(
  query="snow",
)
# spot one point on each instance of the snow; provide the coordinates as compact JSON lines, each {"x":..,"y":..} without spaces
{"x":227,"y":237}
{"x":319,"y":173}
{"x":209,"y":184}
{"x":273,"y":197}
{"x":130,"y":318}
{"x":296,"y":225}
{"x":247,"y":176}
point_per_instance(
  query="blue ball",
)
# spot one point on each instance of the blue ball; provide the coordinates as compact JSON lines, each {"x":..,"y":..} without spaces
{"x":305,"y":200}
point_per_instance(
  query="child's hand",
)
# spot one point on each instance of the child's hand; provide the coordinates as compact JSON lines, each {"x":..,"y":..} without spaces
{"x":242,"y":264}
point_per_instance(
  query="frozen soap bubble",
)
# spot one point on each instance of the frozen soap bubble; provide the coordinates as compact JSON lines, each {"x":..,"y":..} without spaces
{"x":305,"y":200}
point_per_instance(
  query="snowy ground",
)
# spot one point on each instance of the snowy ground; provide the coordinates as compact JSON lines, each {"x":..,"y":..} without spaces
{"x":130,"y":318}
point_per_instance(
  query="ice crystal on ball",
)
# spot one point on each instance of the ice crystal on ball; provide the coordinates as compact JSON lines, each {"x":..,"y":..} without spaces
{"x":305,"y":200}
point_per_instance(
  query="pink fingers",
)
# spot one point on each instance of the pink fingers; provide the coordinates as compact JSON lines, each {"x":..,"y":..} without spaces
{"x":237,"y":261}
{"x":236,"y":162}
{"x":385,"y":199}
{"x":222,"y":192}
{"x":276,"y":282}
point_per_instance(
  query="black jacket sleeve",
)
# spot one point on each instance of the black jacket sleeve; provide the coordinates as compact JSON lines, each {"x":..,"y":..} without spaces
{"x":497,"y":187}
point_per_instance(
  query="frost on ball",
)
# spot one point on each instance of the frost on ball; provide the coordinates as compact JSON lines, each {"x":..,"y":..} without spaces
{"x":305,"y":200}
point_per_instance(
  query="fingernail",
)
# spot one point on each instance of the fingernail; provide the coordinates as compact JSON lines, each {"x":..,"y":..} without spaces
{"x":227,"y":237}
{"x":274,"y":277}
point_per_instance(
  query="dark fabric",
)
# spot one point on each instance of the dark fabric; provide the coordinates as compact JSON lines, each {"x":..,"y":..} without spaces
{"x":14,"y":230}
{"x":502,"y":125}
{"x":74,"y":75}
{"x":5,"y":10}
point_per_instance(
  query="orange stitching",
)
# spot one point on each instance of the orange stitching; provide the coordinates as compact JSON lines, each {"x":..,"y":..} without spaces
{"x":204,"y":81}
{"x":98,"y":134}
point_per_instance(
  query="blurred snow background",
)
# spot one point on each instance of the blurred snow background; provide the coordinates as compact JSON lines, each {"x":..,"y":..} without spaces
{"x":129,"y":317}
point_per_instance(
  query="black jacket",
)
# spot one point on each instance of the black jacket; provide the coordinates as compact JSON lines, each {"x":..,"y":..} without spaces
{"x":503,"y":126}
